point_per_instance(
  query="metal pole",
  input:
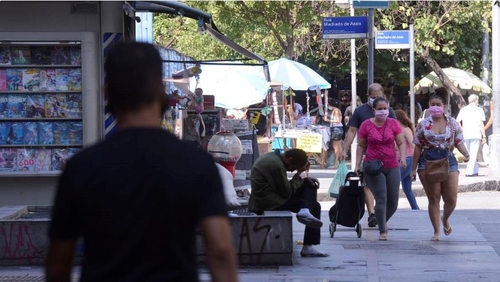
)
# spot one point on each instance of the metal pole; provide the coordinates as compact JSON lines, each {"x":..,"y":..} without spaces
{"x":412,"y":74}
{"x":494,"y":139}
{"x":370,"y":45}
{"x":354,"y":143}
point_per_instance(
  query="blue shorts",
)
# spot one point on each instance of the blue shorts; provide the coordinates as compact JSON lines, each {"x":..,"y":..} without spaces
{"x":436,"y":154}
{"x":336,"y":133}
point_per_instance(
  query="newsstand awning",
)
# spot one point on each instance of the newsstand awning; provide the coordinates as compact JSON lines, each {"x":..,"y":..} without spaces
{"x":205,"y":22}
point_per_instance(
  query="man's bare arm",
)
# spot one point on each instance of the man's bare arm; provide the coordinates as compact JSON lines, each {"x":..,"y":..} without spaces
{"x":351,"y":133}
{"x":60,"y":260}
{"x":221,"y":255}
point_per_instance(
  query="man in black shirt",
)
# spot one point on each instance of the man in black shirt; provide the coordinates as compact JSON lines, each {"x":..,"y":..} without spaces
{"x":138,"y":197}
{"x":360,"y":114}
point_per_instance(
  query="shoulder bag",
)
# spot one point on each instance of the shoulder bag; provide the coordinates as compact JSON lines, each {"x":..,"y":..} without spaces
{"x":374,"y":167}
{"x":438,"y":170}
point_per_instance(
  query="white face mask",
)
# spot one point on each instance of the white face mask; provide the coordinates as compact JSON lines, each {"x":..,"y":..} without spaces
{"x":371,"y":100}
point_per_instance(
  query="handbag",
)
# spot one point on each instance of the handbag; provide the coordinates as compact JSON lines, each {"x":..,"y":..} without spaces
{"x":438,"y":170}
{"x":374,"y":167}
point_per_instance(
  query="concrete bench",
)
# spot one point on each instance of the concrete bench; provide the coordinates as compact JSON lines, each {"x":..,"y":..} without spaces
{"x":258,"y":240}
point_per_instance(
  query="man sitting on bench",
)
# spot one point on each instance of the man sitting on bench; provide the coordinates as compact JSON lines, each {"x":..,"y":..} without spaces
{"x":272,"y":191}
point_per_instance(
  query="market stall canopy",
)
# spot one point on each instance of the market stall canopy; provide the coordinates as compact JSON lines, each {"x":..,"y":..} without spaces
{"x":233,"y":84}
{"x":465,"y":81}
{"x":296,"y":75}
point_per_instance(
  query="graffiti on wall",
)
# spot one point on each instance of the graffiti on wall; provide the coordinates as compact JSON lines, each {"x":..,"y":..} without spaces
{"x":16,"y":242}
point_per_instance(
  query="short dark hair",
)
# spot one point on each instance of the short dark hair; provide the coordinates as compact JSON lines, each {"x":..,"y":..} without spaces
{"x":299,"y":157}
{"x":440,"y":93}
{"x":134,"y":75}
{"x":378,"y":100}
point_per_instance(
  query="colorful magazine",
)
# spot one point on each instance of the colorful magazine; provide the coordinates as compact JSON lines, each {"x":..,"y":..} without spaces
{"x":35,"y":106}
{"x":3,"y":80}
{"x":62,"y":79}
{"x":8,"y":159}
{"x":61,"y":132}
{"x":72,"y":152}
{"x":17,"y":106}
{"x":47,"y":79}
{"x":76,"y":55}
{"x":60,"y":55}
{"x":75,"y":80}
{"x":5,"y":56}
{"x":45,"y":133}
{"x":21,"y":55}
{"x":55,"y":105}
{"x":58,"y":159}
{"x":14,"y":79}
{"x":31,"y":79}
{"x":40,"y":55}
{"x":26,"y":159}
{"x":75,"y":132}
{"x":30,"y":133}
{"x":74,"y":106}
{"x":4,"y":131}
{"x":4,"y":106}
{"x":15,"y":134}
{"x":43,"y":159}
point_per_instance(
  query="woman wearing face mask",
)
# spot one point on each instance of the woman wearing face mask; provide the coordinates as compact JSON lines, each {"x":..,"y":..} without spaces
{"x":435,"y":137}
{"x":377,"y":136}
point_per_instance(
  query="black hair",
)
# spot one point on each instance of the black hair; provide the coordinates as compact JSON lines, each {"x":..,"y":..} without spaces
{"x":440,"y":93}
{"x":134,"y":76}
{"x":378,"y":100}
{"x":299,"y":157}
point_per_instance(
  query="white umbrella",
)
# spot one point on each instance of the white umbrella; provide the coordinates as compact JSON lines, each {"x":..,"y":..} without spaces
{"x":467,"y":82}
{"x":296,"y":75}
{"x":234,"y":85}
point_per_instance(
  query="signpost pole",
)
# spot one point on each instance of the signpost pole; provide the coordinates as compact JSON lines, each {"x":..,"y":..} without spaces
{"x":370,"y":45}
{"x":412,"y":74}
{"x":354,"y":144}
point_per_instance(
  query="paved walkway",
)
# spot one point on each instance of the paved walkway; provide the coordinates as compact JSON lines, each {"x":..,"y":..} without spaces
{"x":470,"y":253}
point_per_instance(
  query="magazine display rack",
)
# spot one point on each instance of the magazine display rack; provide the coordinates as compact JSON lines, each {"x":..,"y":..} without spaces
{"x":40,"y":106}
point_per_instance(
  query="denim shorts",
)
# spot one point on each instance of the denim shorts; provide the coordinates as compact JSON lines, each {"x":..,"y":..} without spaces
{"x":336,"y":133}
{"x":436,"y":154}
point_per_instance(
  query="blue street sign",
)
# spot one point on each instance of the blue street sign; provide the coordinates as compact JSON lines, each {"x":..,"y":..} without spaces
{"x":345,"y":27}
{"x":370,"y":4}
{"x":392,"y":39}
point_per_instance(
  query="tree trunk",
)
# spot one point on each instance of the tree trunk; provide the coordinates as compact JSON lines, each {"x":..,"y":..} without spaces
{"x":455,"y":92}
{"x":485,"y":58}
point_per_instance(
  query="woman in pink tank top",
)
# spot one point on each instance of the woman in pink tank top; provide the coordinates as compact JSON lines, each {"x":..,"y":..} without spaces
{"x":406,"y":180}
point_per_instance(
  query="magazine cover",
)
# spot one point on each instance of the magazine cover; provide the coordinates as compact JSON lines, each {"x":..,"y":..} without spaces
{"x":30,"y":130}
{"x":35,"y":106}
{"x":47,"y":79}
{"x":4,"y":106}
{"x":14,"y":79}
{"x":5,"y":56}
{"x":8,"y":159}
{"x":76,"y":55}
{"x":72,"y":152}
{"x":62,"y":79}
{"x":21,"y":55}
{"x":42,"y":157}
{"x":31,"y":79}
{"x":61,"y":132}
{"x":15,"y":134}
{"x":26,"y":159}
{"x":58,"y":159}
{"x":75,"y":132}
{"x":59,"y":55}
{"x":75,"y":80}
{"x":4,"y":131}
{"x":45,"y":133}
{"x":40,"y":55}
{"x":17,"y":106}
{"x":55,"y":105}
{"x":3,"y":80}
{"x":74,"y":106}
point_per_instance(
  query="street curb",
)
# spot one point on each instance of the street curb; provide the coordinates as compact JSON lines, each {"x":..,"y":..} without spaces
{"x":487,"y":185}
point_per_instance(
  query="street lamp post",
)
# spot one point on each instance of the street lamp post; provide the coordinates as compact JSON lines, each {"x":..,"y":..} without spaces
{"x":494,"y":140}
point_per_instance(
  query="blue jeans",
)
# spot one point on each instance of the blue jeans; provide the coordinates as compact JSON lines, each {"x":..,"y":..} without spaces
{"x":436,"y":154}
{"x":406,"y":182}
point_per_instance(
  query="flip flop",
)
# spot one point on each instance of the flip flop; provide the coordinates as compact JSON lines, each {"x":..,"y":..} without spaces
{"x":447,"y":231}
{"x":314,"y":255}
{"x":310,"y":221}
{"x":435,"y":238}
{"x":382,"y":237}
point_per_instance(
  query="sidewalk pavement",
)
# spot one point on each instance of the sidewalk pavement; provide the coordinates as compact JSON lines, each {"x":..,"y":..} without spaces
{"x":470,"y":253}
